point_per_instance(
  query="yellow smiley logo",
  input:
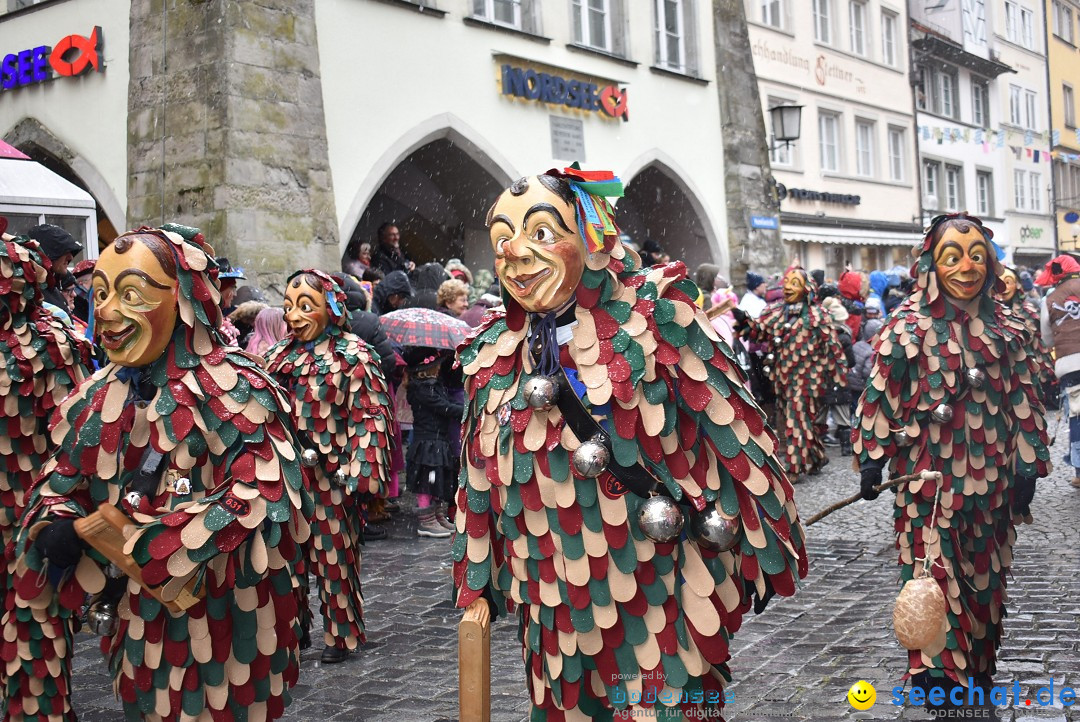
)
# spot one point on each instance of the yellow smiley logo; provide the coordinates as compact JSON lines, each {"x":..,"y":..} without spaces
{"x":862,"y":695}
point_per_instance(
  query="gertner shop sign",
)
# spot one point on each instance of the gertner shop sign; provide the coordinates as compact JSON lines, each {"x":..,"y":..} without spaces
{"x":530,"y":84}
{"x":71,"y":56}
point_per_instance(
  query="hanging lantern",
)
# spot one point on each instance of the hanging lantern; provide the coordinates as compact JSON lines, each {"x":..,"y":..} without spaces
{"x":976,"y":378}
{"x":309,"y":458}
{"x":591,"y":459}
{"x":942,"y":413}
{"x":660,"y":519}
{"x":541,"y":392}
{"x":919,"y":618}
{"x":713,"y":530}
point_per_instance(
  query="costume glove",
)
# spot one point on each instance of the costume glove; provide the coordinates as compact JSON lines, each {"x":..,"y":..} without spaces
{"x":60,"y":544}
{"x":1023,"y":493}
{"x":869,"y":477}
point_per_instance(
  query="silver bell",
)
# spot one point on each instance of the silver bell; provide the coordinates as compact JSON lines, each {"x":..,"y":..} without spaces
{"x":766,"y":370}
{"x":975,"y":378}
{"x":133,"y":498}
{"x":591,"y":458}
{"x":102,"y":619}
{"x":340,"y":477}
{"x":901,"y":438}
{"x":541,"y":392}
{"x":309,"y":458}
{"x":713,"y":530}
{"x":770,"y":357}
{"x":660,"y":519}
{"x":942,"y":413}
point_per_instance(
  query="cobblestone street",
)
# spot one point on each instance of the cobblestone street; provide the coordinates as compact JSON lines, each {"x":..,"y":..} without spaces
{"x":794,"y":662}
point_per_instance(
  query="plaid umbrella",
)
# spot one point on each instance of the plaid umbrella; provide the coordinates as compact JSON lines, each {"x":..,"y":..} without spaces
{"x":424,"y":327}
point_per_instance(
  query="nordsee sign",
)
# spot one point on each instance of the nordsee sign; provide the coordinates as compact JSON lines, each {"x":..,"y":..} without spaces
{"x":529,"y":84}
{"x":72,"y":56}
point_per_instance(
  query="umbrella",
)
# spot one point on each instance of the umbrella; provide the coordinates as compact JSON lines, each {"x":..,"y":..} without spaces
{"x":424,"y":327}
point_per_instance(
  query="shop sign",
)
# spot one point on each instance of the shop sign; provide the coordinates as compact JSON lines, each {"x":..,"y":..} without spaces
{"x":71,"y":56}
{"x":1032,"y":232}
{"x":801,"y":194}
{"x":529,"y":84}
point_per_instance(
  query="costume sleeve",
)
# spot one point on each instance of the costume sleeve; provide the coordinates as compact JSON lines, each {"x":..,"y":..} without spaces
{"x":1029,"y":437}
{"x":880,"y":411}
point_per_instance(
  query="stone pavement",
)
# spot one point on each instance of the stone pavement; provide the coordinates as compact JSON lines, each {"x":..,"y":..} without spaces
{"x":794,"y":662}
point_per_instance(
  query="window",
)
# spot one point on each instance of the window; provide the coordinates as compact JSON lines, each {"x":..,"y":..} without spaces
{"x":948,"y":95}
{"x":1031,"y":114}
{"x":1066,"y":185}
{"x":896,"y":154}
{"x":822,"y":21}
{"x":984,"y":193}
{"x":509,"y":13}
{"x":931,"y":180}
{"x":937,"y":91}
{"x":1069,"y":105}
{"x":888,"y":38}
{"x":1012,"y":22}
{"x":1015,"y":99}
{"x":857,"y":18}
{"x":829,"y":141}
{"x":772,"y":13}
{"x":1035,"y":186}
{"x":670,"y":48}
{"x":1063,"y":21}
{"x":1020,"y":189}
{"x":1027,"y":22}
{"x":592,"y":23}
{"x":1019,"y":24}
{"x":980,"y":102}
{"x":864,"y":148}
{"x":952,"y":188}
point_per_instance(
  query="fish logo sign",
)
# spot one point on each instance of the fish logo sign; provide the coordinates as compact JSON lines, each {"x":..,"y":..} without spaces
{"x":72,"y":56}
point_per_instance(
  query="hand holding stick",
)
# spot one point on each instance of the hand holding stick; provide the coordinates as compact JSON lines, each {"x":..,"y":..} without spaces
{"x":934,"y":476}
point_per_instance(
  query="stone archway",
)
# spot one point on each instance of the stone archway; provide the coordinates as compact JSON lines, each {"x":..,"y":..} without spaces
{"x":659,"y":205}
{"x":38,"y":142}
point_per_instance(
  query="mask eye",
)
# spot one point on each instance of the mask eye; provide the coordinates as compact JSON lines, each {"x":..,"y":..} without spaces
{"x":500,"y":244}
{"x":131,"y":296}
{"x":306,"y":308}
{"x":544,"y":234}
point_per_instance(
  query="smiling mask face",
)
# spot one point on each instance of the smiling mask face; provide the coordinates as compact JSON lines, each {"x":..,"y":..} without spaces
{"x":134,"y":305}
{"x":539,"y":255}
{"x":794,"y":287}
{"x":960,"y":261}
{"x":306,"y":314}
{"x":1012,"y":284}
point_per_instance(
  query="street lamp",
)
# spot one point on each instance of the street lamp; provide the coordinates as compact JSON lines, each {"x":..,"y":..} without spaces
{"x":785,"y":120}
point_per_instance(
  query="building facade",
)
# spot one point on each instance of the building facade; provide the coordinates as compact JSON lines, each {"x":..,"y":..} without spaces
{"x":979,"y":72}
{"x":291,"y":130}
{"x":849,"y":192}
{"x":1063,"y":57}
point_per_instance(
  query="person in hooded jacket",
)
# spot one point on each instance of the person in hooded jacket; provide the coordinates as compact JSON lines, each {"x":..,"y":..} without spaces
{"x":851,"y":295}
{"x":426,"y":282}
{"x":863,"y":351}
{"x":391,"y":293}
{"x":366,"y":324}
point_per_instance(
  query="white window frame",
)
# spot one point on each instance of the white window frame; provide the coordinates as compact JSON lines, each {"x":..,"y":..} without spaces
{"x":984,"y":193}
{"x":662,"y":35}
{"x":889,"y":22}
{"x":1031,"y":109}
{"x":897,"y":154}
{"x":822,"y":14}
{"x":857,"y":11}
{"x":487,"y":12}
{"x":1020,"y":189}
{"x":1036,"y":191}
{"x":948,"y":95}
{"x":1012,"y":21}
{"x":865,"y":130}
{"x":1063,"y":21}
{"x":1068,"y":99}
{"x":776,"y":20}
{"x":953,"y":187}
{"x":932,"y":178}
{"x":1027,"y":28}
{"x":826,"y":118}
{"x":1016,"y":113}
{"x":583,"y":13}
{"x":980,"y":102}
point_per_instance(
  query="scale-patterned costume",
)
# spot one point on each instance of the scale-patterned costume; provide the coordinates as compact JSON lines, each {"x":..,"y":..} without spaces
{"x":607,"y":615}
{"x":1044,"y":377}
{"x":341,"y":404}
{"x":223,"y":423}
{"x":996,"y":434}
{"x":808,"y":361}
{"x":41,"y":361}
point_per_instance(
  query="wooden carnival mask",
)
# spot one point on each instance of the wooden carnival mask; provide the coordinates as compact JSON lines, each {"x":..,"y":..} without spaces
{"x":961,"y":258}
{"x":1012,"y":285}
{"x":306,"y":313}
{"x":539,"y":254}
{"x":134,"y":290}
{"x":794,"y":286}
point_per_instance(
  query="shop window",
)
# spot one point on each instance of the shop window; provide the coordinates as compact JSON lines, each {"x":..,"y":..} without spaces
{"x":600,"y":25}
{"x":516,"y":14}
{"x":676,"y":43}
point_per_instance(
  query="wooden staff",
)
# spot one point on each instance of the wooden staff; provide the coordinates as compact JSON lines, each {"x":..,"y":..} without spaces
{"x":934,"y":476}
{"x":474,"y":667}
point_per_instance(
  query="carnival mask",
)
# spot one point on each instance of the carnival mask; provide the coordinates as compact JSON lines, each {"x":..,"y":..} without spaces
{"x":306,"y":314}
{"x":1012,"y":284}
{"x":794,"y":286}
{"x":960,"y":260}
{"x":134,"y":303}
{"x":539,"y":255}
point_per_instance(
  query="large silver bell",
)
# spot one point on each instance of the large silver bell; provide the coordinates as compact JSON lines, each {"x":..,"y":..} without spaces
{"x":309,"y":458}
{"x":942,"y":413}
{"x":713,"y":530}
{"x":901,"y":437}
{"x":102,"y":619}
{"x":591,"y":458}
{"x":340,"y":477}
{"x":660,"y":519}
{"x":975,"y":378}
{"x":770,"y":357}
{"x":541,"y":392}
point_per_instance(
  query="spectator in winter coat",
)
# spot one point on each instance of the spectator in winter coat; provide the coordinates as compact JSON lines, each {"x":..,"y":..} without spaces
{"x":879,"y":285}
{"x":863,"y":351}
{"x":366,"y":324}
{"x":453,"y":297}
{"x":851,"y":295}
{"x":391,"y":293}
{"x":837,"y":400}
{"x":390,"y":256}
{"x":269,"y":329}
{"x":753,"y":301}
{"x":426,"y":284}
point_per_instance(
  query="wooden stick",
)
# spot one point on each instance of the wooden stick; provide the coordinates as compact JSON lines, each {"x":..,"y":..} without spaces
{"x":474,"y":668}
{"x":924,"y":475}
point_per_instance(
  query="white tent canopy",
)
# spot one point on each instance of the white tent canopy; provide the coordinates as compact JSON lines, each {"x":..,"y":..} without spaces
{"x":31,"y":194}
